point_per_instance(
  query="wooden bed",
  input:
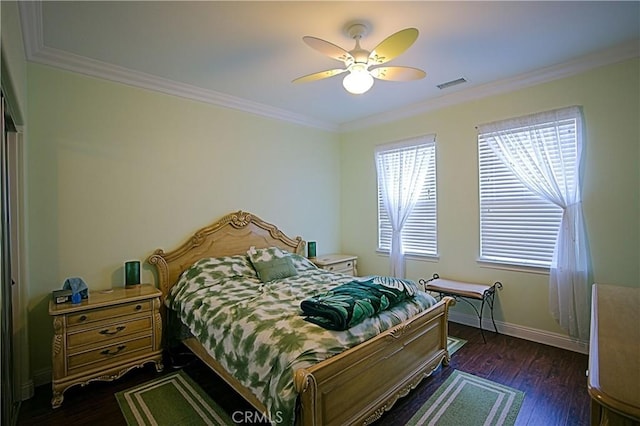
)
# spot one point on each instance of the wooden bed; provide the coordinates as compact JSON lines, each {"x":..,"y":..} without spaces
{"x":354,"y":387}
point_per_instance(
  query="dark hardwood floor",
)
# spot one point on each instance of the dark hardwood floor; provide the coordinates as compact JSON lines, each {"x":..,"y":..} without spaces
{"x":553,"y":380}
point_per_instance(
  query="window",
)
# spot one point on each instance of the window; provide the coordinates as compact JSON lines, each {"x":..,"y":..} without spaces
{"x":517,"y":158}
{"x":403,"y":162}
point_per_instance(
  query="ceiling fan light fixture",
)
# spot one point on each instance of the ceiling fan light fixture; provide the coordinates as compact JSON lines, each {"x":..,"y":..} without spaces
{"x":358,"y":61}
{"x":358,"y":81}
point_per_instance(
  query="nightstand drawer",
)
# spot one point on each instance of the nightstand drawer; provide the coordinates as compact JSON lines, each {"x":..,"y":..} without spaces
{"x":109,"y":354}
{"x":108,"y":331}
{"x":343,"y":267}
{"x":340,"y":263}
{"x":108,"y":312}
{"x":104,"y":336}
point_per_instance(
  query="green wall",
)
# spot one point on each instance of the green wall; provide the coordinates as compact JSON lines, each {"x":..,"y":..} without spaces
{"x":12,"y":62}
{"x":611,"y":187}
{"x":115,"y":172}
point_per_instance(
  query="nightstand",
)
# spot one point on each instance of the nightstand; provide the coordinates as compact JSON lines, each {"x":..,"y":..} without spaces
{"x":105,"y":336}
{"x":342,"y":263}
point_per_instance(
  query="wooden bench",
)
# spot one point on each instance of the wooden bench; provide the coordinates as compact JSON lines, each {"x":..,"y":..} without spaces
{"x":464,"y":291}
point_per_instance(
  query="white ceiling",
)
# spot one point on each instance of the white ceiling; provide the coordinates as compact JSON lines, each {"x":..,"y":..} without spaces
{"x":244,"y":54}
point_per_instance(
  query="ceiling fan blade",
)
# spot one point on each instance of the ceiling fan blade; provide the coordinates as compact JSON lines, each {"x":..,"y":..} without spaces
{"x":393,"y":46}
{"x":319,"y":75}
{"x":329,"y":49}
{"x":397,"y":73}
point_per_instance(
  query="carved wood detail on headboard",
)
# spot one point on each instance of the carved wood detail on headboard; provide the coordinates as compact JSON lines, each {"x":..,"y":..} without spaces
{"x":233,"y":234}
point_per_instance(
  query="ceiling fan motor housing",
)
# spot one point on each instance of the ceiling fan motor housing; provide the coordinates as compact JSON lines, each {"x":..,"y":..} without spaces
{"x":356,"y":31}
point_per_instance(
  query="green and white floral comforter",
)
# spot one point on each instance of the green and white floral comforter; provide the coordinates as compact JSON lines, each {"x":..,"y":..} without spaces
{"x":255,"y":330}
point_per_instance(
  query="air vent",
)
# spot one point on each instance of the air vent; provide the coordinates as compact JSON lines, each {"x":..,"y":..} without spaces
{"x":452,"y":83}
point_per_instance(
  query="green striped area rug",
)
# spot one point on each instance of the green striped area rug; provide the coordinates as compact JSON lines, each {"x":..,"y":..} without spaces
{"x":467,"y":400}
{"x":454,"y":343}
{"x":174,"y":399}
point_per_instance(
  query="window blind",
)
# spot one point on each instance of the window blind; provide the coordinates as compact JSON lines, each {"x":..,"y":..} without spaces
{"x":419,"y":235}
{"x":516,"y":225}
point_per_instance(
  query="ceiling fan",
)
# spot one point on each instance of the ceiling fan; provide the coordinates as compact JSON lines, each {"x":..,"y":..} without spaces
{"x":363,"y":65}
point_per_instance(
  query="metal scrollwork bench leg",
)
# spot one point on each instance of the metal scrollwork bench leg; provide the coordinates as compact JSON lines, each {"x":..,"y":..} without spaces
{"x":466,"y":292}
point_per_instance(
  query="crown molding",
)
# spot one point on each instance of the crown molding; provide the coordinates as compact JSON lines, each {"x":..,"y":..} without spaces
{"x":36,"y":51}
{"x":31,"y":24}
{"x":622,"y":52}
{"x":94,"y":68}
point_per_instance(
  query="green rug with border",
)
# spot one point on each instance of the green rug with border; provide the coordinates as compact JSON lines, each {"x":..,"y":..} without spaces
{"x":174,"y":399}
{"x":468,"y":400}
{"x":454,"y":343}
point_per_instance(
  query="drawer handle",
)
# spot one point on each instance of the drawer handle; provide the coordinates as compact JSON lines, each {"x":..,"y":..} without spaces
{"x":83,"y":318}
{"x":110,"y":333}
{"x":138,"y":307}
{"x":116,"y":352}
{"x":330,"y":268}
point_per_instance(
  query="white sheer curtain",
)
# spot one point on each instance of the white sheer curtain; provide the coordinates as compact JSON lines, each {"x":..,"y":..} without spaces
{"x":401,"y":168}
{"x":531,"y":147}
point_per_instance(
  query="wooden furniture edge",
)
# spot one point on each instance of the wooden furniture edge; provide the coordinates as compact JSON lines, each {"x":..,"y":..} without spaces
{"x":59,"y":385}
{"x":234,"y":234}
{"x":600,"y":399}
{"x":198,"y":349}
{"x":316,"y":384}
{"x":146,"y":291}
{"x":343,"y":257}
{"x":234,"y":227}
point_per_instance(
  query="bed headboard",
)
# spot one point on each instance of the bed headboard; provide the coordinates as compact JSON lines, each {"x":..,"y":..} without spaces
{"x":233,"y":234}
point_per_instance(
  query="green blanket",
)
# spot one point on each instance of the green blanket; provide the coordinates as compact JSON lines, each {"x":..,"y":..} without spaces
{"x":349,"y":304}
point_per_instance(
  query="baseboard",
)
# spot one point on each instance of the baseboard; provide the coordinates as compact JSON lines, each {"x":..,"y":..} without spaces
{"x":27,"y":390}
{"x":527,"y":333}
{"x":42,"y":377}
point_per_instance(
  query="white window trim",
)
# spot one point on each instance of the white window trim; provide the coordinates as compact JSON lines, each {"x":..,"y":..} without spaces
{"x":551,"y":214}
{"x":432,"y":171}
{"x":544,"y":151}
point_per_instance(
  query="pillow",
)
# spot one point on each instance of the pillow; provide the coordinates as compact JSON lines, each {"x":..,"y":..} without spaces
{"x":302,"y":263}
{"x":274,"y":269}
{"x":264,"y":254}
{"x":225,"y":266}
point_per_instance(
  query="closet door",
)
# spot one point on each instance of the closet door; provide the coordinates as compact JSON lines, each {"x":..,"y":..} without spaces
{"x":9,"y":401}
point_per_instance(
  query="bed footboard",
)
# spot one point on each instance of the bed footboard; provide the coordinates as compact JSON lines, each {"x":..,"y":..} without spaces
{"x":359,"y":385}
{"x":356,"y":386}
